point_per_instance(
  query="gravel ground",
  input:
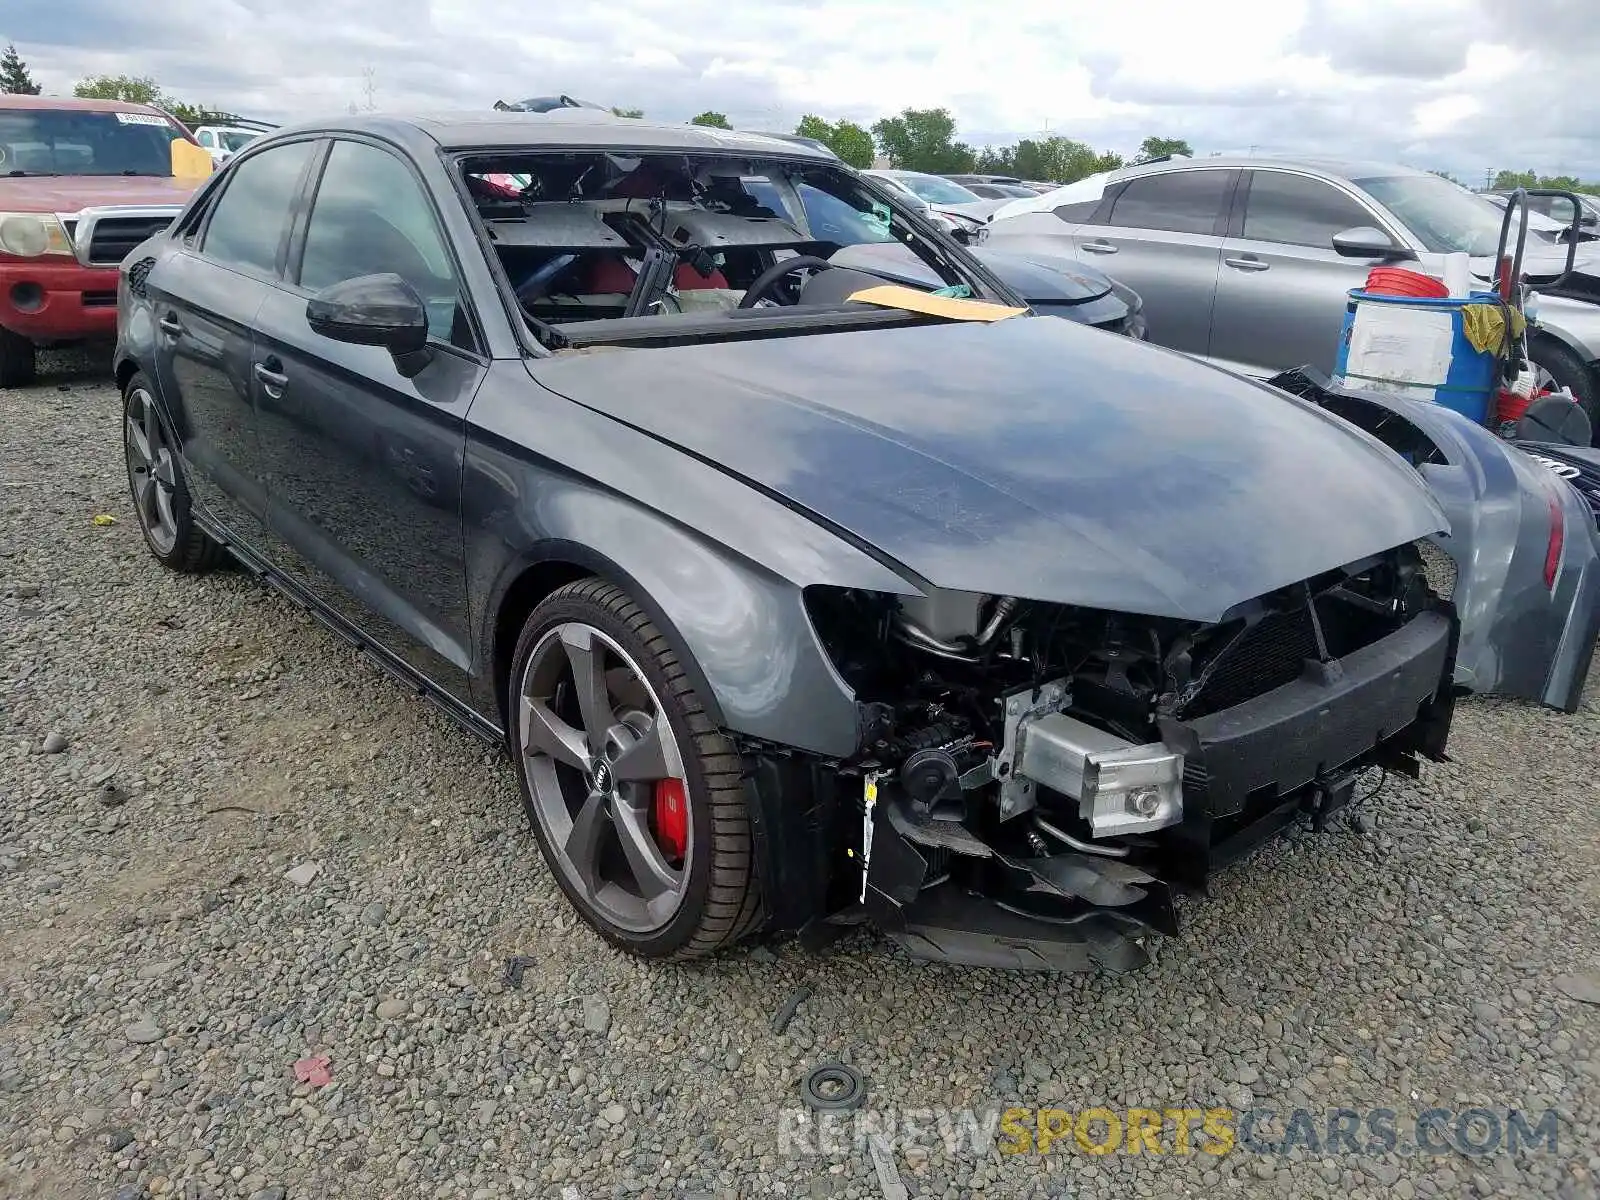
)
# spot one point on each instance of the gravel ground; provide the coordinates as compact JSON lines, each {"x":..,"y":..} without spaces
{"x":160,"y":975}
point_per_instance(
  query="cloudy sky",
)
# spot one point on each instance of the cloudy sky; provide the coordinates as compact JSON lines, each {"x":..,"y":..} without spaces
{"x":1461,"y":85}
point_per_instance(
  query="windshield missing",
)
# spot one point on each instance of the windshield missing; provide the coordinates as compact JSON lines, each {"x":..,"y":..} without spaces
{"x":667,"y":247}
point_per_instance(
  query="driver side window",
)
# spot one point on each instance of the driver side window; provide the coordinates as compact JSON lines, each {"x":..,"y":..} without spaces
{"x":371,"y":216}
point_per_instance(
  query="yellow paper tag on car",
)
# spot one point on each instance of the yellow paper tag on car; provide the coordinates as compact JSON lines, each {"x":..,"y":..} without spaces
{"x":190,"y":161}
{"x":891,"y":295}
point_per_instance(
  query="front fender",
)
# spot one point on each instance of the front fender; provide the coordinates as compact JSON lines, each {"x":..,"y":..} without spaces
{"x":1512,"y":520}
{"x":719,"y":566}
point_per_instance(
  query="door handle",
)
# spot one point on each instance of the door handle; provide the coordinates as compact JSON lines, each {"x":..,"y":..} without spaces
{"x":1099,"y":247}
{"x":273,"y":381}
{"x":1247,"y":264}
{"x":171,"y":325}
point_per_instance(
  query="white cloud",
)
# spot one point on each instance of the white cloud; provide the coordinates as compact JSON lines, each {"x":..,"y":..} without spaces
{"x":1461,"y":85}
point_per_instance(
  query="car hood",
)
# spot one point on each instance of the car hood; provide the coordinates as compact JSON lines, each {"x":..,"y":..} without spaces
{"x":977,"y":210}
{"x":1029,"y":457}
{"x":69,"y":193}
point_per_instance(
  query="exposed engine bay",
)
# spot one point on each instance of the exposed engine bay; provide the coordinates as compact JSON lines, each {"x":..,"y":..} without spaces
{"x":1025,"y":762}
{"x":588,"y":237}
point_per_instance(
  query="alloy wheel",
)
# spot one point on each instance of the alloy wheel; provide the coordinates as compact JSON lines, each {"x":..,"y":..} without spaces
{"x":606,"y":777}
{"x":152,"y":471}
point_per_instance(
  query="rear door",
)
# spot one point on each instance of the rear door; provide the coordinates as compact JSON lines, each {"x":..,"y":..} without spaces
{"x":1282,"y":290}
{"x":1161,"y":235}
{"x":364,"y":465}
{"x":206,"y":300}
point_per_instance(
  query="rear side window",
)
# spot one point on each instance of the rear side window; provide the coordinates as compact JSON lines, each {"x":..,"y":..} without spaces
{"x":249,"y":219}
{"x":1177,"y":201}
{"x":1299,"y":211}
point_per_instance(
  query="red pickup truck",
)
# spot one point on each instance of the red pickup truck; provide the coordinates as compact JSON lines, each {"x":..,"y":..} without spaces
{"x":82,"y":182}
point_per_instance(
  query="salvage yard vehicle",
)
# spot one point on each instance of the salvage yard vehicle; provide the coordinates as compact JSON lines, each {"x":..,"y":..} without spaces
{"x":222,"y":142}
{"x":81,"y":183}
{"x":1249,"y":262}
{"x":800,"y":597}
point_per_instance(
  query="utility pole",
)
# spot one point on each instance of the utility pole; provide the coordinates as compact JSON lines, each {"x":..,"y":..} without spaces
{"x":1488,"y":178}
{"x":370,"y":88}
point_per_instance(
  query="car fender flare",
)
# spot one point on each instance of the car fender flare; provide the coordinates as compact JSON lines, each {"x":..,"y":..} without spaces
{"x":716,"y":612}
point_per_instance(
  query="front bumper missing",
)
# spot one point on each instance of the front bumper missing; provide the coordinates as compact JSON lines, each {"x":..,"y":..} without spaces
{"x":945,"y":893}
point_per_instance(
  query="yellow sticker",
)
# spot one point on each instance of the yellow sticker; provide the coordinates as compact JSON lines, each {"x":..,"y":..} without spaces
{"x":872,"y":790}
{"x":891,"y":295}
{"x":190,"y":161}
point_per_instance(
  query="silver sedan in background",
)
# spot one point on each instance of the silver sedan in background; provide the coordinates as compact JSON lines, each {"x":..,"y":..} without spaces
{"x":1248,"y":262}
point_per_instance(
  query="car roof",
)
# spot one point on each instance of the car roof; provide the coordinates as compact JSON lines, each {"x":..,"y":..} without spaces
{"x":73,"y":103}
{"x":564,"y":128}
{"x":1336,"y":168}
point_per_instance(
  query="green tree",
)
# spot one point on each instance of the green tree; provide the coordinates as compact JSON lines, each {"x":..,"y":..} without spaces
{"x":14,"y":77}
{"x":993,"y":160}
{"x":135,"y":89}
{"x":634,"y":113}
{"x":711,"y":120}
{"x":1506,"y":180}
{"x":1160,"y":147}
{"x":845,"y":138}
{"x":1061,"y":159}
{"x":923,"y":139}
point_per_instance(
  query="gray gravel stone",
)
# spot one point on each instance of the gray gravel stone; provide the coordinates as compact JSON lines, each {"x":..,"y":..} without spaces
{"x":142,"y":1033}
{"x":596,"y":1015}
{"x":1580,"y":987}
{"x":54,"y":743}
{"x":1341,"y":969}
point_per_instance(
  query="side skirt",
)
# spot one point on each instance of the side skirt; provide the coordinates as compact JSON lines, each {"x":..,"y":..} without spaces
{"x":470,"y":720}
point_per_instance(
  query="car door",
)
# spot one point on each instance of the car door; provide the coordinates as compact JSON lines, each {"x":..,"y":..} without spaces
{"x":206,"y":298}
{"x":1161,"y":235}
{"x":364,"y":464}
{"x":1282,"y":290}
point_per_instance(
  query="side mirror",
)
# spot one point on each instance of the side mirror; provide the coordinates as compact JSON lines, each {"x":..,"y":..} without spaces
{"x":375,"y":310}
{"x":1367,"y":241}
{"x":962,"y":234}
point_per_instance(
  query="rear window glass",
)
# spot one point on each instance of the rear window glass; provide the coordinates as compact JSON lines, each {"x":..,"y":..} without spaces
{"x":1177,"y":201}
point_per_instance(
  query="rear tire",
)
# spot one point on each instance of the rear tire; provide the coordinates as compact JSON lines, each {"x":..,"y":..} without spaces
{"x":160,"y":493}
{"x":713,"y":898}
{"x":18,"y":360}
{"x":1565,"y":369}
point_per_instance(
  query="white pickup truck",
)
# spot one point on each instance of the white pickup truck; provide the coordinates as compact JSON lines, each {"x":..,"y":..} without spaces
{"x":223,"y":141}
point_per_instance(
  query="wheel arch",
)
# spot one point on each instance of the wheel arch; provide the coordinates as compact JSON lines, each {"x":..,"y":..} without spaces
{"x":126,"y":368}
{"x":544,"y":570}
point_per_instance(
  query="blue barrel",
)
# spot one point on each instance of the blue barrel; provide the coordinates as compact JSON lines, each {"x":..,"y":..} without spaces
{"x":1416,"y":347}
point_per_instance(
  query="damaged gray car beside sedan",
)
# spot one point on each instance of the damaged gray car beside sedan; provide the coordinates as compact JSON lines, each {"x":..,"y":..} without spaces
{"x":802,"y":596}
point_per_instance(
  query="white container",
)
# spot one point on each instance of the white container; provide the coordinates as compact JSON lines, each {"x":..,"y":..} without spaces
{"x":1458,"y":274}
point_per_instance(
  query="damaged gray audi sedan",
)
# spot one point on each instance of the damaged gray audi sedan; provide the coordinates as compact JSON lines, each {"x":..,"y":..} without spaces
{"x":800,"y":597}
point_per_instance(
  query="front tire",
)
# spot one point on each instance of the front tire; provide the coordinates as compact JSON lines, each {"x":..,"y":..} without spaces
{"x":18,"y":360}
{"x":635,"y":796}
{"x":1557,"y":366}
{"x":160,"y":494}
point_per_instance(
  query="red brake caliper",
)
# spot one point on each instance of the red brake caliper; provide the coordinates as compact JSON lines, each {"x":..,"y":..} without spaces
{"x":672,"y":818}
